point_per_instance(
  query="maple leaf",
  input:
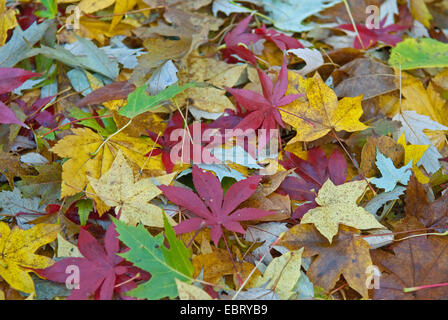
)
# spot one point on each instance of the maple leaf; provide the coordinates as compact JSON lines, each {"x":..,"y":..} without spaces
{"x":221,"y":209}
{"x":118,"y":188}
{"x":370,"y":37}
{"x":431,"y":214}
{"x":235,"y":38}
{"x":391,"y":176}
{"x":338,"y":206}
{"x":240,"y":40}
{"x":189,"y":145}
{"x":322,"y":113}
{"x":148,"y":253}
{"x":84,"y":142}
{"x":413,"y":262}
{"x":140,"y":102}
{"x":263,"y":109}
{"x":18,"y":256}
{"x":100,"y":269}
{"x":347,"y":255}
{"x":282,"y":41}
{"x":312,"y":175}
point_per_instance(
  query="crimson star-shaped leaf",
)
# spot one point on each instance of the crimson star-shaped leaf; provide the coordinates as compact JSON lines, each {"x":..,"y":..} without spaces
{"x":213,"y":208}
{"x":99,"y":270}
{"x":282,"y":41}
{"x":237,"y":42}
{"x":263,"y":109}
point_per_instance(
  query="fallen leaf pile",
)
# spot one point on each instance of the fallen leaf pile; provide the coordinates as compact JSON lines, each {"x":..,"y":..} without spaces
{"x":223,"y":149}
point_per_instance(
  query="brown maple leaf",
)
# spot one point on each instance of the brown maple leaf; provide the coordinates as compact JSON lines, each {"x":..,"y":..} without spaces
{"x":431,"y":214}
{"x":347,"y":255}
{"x":413,"y":262}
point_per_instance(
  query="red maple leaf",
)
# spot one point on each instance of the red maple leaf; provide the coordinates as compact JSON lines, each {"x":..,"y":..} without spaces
{"x":312,"y":174}
{"x":241,"y":39}
{"x":263,"y":109}
{"x":99,"y":270}
{"x":199,"y":146}
{"x":282,"y":41}
{"x":237,"y":42}
{"x":212,"y":207}
{"x":370,"y":37}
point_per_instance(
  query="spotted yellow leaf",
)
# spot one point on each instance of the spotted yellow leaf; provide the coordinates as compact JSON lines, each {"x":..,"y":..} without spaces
{"x":17,"y":253}
{"x":338,"y":205}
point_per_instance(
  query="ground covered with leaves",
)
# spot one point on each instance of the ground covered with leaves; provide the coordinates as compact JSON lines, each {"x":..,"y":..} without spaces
{"x":217,"y":149}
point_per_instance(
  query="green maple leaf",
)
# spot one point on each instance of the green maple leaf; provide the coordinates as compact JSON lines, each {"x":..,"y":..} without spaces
{"x":148,"y":253}
{"x":140,"y":102}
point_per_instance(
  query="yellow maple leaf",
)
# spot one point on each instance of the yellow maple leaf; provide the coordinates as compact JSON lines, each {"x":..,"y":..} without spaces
{"x":414,"y":153}
{"x":79,"y":148}
{"x":18,"y":247}
{"x":338,"y":206}
{"x":321,"y":112}
{"x":118,"y":188}
{"x":7,"y":21}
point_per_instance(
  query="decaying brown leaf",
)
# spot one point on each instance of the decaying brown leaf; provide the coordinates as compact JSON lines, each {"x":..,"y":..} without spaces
{"x":411,"y":263}
{"x":431,"y":214}
{"x":347,"y":255}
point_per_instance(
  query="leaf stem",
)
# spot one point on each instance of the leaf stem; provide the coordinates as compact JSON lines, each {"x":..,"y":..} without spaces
{"x":353,"y":23}
{"x":233,"y":262}
{"x":72,"y":122}
{"x":110,"y":137}
{"x":414,"y":289}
